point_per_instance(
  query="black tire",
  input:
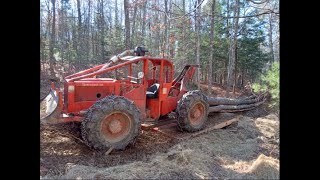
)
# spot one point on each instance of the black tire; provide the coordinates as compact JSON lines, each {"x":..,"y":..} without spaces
{"x":111,"y":116}
{"x":190,"y":119}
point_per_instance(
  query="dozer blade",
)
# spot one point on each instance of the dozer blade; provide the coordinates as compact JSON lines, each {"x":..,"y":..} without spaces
{"x":49,"y":108}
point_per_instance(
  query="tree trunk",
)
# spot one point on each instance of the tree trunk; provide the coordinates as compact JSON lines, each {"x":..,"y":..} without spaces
{"x":235,"y":69}
{"x":270,"y":38}
{"x":116,"y":15}
{"x":42,"y":55}
{"x":127,"y":24}
{"x":79,"y":52}
{"x":167,"y":27}
{"x":225,"y":74}
{"x":213,"y":101}
{"x":184,"y":61}
{"x":143,"y":28}
{"x":53,"y":37}
{"x":234,"y":108}
{"x":102,"y":26}
{"x":157,"y":24}
{"x":219,"y":104}
{"x":197,"y":29}
{"x":88,"y":33}
{"x":211,"y":47}
{"x":133,"y":25}
{"x":231,"y":65}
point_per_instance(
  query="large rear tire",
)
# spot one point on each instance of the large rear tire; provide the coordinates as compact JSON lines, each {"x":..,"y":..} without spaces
{"x":192,"y":111}
{"x":114,"y":121}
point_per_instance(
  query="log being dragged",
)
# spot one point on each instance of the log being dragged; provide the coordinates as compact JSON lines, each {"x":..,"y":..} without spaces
{"x":219,"y":104}
{"x":226,"y":101}
{"x":213,"y":101}
{"x":235,"y":108}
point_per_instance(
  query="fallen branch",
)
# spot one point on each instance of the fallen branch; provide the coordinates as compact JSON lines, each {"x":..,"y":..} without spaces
{"x":218,"y":126}
{"x":109,"y":151}
{"x":67,"y":135}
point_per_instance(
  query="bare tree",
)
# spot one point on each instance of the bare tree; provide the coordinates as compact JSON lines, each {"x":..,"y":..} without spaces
{"x":166,"y":34}
{"x":53,"y":37}
{"x":197,"y":29}
{"x":133,"y":35}
{"x":102,"y":30}
{"x":157,"y":26}
{"x":211,"y":46}
{"x":270,"y":37}
{"x":233,"y":45}
{"x":79,"y":52}
{"x":143,"y":27}
{"x":127,"y":23}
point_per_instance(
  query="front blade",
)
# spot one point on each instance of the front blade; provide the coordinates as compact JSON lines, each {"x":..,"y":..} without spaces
{"x":49,"y":111}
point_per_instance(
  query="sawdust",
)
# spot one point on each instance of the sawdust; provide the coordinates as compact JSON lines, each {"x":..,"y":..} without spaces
{"x":265,"y":168}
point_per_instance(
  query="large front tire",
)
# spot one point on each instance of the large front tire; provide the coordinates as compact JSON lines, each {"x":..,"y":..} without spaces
{"x":114,"y":121}
{"x":192,"y":111}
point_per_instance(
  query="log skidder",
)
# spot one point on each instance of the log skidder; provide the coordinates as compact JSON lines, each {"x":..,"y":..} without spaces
{"x":113,"y":109}
{"x":192,"y":111}
{"x":142,"y":89}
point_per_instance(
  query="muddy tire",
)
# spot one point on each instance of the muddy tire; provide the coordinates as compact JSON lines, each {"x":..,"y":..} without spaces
{"x":114,"y":121}
{"x":192,"y":111}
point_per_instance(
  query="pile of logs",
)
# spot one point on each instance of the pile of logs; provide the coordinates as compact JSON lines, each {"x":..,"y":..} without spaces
{"x":220,"y":104}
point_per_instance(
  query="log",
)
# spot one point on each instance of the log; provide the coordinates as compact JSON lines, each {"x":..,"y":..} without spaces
{"x":250,"y":97}
{"x":234,"y":108}
{"x":226,"y":101}
{"x":239,"y":101}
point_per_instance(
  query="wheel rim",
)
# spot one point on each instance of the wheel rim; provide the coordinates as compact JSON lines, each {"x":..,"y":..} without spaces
{"x":196,"y":114}
{"x":115,"y":127}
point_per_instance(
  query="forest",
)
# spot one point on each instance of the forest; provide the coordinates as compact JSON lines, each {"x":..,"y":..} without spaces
{"x":236,"y":44}
{"x":234,"y":41}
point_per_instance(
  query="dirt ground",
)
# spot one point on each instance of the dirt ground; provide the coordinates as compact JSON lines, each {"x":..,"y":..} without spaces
{"x":247,"y":149}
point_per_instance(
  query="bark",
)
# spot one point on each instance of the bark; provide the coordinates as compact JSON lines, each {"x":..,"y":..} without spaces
{"x":127,"y":23}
